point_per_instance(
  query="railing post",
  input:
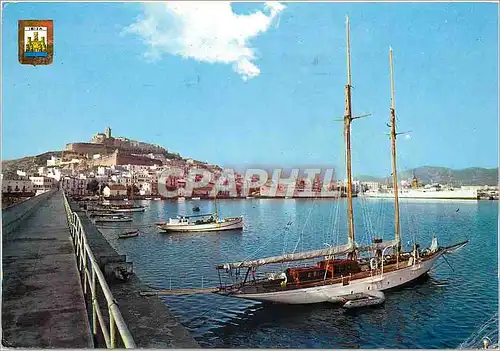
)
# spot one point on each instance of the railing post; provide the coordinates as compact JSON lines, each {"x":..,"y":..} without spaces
{"x":85,"y":271}
{"x":112,"y":328}
{"x":80,"y":246}
{"x":94,"y":296}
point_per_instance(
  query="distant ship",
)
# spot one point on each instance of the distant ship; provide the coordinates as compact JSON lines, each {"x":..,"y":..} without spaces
{"x":434,"y":191}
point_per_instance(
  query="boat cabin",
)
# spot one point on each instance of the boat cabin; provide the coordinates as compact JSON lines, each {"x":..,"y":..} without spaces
{"x":178,"y":220}
{"x":332,"y":268}
{"x":184,"y":220}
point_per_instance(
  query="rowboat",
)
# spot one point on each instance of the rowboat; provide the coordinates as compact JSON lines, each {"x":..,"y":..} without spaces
{"x":114,"y":219}
{"x":130,"y":234}
{"x":364,"y":300}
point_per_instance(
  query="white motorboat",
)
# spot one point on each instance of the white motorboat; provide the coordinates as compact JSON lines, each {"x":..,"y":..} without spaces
{"x":208,"y":223}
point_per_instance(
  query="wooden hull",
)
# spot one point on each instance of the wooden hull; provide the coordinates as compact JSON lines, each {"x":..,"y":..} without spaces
{"x":132,"y":234}
{"x":337,"y":292}
{"x":231,"y":224}
{"x":137,"y":209}
{"x":106,"y":220}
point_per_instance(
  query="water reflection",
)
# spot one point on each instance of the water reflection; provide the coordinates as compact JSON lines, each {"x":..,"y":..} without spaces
{"x":438,"y":311}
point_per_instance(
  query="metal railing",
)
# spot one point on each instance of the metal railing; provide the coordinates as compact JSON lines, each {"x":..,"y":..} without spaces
{"x":93,"y":277}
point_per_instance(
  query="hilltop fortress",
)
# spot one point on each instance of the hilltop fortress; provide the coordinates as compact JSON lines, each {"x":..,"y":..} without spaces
{"x":104,"y":143}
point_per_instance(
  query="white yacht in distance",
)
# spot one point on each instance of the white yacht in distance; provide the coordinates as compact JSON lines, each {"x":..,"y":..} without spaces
{"x":433,"y":191}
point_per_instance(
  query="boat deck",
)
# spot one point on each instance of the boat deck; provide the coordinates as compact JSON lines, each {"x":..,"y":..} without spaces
{"x":267,"y":286}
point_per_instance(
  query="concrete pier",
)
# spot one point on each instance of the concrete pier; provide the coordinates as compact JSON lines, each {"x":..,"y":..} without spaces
{"x":43,"y":305}
{"x":42,"y":299}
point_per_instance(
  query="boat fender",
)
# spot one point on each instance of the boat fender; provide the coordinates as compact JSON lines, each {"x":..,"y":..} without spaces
{"x":373,"y":263}
{"x":283,"y":283}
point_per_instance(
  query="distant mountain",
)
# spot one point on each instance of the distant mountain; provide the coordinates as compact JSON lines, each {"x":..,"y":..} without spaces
{"x":443,"y":175}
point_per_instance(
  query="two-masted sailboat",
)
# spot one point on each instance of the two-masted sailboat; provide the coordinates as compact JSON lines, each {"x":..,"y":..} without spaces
{"x":344,"y":270}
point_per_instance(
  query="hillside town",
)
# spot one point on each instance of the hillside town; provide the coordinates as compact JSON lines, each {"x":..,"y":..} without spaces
{"x":120,"y":168}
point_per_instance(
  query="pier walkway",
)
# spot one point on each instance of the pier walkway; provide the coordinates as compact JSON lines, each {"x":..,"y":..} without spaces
{"x":42,"y":299}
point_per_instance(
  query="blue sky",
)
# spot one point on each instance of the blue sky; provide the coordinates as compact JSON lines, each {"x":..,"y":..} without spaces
{"x":446,"y":72}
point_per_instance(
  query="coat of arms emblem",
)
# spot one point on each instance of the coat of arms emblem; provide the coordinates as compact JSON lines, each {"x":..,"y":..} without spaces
{"x":36,"y":42}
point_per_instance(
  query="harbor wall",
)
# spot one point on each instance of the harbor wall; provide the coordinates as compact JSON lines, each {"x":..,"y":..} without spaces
{"x":13,"y":216}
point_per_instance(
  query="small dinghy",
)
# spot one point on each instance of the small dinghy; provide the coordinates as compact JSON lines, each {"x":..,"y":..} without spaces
{"x":131,"y":234}
{"x":101,"y":214}
{"x":364,"y":300}
{"x":113,"y":219}
{"x":196,"y":209}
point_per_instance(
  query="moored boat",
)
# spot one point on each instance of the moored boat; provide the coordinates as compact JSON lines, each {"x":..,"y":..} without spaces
{"x":364,"y":300}
{"x":102,"y":214}
{"x":113,"y":219}
{"x":196,"y":209}
{"x":128,"y":209}
{"x":130,"y":234}
{"x":106,"y":207}
{"x":204,"y":224}
{"x":434,"y":191}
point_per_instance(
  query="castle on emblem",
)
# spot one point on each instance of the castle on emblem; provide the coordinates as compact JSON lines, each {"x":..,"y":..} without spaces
{"x":36,"y":42}
{"x":35,"y":46}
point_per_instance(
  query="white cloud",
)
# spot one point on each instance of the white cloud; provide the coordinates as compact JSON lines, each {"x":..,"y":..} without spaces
{"x":207,"y":31}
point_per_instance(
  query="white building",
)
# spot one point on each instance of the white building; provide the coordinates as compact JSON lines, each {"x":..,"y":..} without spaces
{"x":54,"y":161}
{"x":17,"y":186}
{"x":124,"y":179}
{"x":74,"y":186}
{"x":102,"y":178}
{"x":145,"y":188}
{"x":42,"y":184}
{"x":104,"y":170}
{"x":54,"y":173}
{"x":114,"y":190}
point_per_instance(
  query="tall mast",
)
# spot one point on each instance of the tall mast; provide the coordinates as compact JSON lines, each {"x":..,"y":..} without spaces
{"x":347,"y":133}
{"x":394,"y":168}
{"x":216,"y":211}
{"x":132,"y":178}
{"x":215,"y":202}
